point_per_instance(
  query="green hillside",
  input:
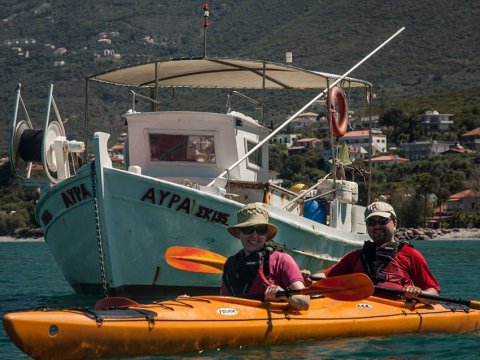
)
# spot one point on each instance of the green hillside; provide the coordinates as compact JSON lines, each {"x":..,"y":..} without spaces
{"x":436,"y":54}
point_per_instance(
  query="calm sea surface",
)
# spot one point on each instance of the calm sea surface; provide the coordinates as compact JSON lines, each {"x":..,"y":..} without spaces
{"x":29,"y":278}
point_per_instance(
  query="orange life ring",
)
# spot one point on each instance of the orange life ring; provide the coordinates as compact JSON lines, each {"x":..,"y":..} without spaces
{"x":336,"y":95}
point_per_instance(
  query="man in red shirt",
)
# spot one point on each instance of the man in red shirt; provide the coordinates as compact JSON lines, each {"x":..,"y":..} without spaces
{"x":388,"y":262}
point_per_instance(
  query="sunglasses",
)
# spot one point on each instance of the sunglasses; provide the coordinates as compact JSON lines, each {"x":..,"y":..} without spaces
{"x":383,"y":222}
{"x":259,"y":229}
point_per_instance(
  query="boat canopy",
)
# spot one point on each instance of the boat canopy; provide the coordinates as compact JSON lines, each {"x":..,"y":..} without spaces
{"x":220,"y":73}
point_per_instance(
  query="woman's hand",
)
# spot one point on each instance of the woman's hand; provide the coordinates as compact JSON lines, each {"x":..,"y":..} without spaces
{"x":271,"y":293}
{"x":307,"y":277}
{"x":296,"y":302}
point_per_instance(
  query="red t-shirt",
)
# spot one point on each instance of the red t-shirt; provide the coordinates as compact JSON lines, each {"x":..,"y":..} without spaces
{"x":408,"y":267}
{"x":284,"y":271}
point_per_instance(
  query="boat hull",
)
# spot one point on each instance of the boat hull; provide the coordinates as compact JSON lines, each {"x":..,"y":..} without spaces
{"x":188,"y":324}
{"x":139,"y":217}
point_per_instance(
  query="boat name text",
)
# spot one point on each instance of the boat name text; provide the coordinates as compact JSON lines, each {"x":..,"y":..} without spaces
{"x":75,"y":194}
{"x":179,"y":203}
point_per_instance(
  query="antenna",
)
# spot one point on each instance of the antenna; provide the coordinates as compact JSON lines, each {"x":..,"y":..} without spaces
{"x":205,"y":26}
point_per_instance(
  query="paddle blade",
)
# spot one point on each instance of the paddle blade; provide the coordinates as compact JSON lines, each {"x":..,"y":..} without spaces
{"x":115,"y":302}
{"x":474,"y":305}
{"x":195,"y":260}
{"x":350,"y":287}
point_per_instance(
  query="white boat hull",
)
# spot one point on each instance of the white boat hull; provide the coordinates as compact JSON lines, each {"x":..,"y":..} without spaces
{"x":140,"y":217}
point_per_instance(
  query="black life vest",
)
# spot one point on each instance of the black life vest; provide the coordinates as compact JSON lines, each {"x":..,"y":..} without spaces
{"x":376,"y":258}
{"x":240,"y":271}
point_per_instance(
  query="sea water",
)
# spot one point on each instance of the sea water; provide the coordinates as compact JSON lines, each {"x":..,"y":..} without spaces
{"x":30,"y":278}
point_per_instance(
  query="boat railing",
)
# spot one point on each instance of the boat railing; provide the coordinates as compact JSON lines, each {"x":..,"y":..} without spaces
{"x":136,"y":95}
{"x":303,"y":194}
{"x":257,"y":104}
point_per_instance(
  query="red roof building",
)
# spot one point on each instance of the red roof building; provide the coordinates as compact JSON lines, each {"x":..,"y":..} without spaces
{"x":304,"y":120}
{"x":471,"y":139}
{"x":304,"y":144}
{"x":467,"y":201}
{"x":387,"y":160}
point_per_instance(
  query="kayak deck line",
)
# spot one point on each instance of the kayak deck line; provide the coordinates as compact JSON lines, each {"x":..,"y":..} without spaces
{"x":144,"y":311}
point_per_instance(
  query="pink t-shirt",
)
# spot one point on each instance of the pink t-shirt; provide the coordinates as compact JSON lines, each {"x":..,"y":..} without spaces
{"x":284,"y":272}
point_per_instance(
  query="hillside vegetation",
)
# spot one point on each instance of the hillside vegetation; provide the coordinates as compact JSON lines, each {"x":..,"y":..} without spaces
{"x":436,"y":54}
{"x":432,"y":65}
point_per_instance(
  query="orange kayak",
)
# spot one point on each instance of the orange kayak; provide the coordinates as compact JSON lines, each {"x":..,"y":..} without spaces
{"x":188,"y":324}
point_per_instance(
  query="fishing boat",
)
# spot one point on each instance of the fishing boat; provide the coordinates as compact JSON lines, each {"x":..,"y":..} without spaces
{"x":184,"y":177}
{"x":121,"y":327}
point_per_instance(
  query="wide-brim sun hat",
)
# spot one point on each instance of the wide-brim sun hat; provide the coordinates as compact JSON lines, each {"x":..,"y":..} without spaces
{"x":252,"y":215}
{"x":379,"y":208}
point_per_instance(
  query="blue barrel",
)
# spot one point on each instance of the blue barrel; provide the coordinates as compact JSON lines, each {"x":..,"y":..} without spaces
{"x":316,"y":210}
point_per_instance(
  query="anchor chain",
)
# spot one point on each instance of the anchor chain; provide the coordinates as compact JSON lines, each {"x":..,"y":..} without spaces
{"x":98,"y":232}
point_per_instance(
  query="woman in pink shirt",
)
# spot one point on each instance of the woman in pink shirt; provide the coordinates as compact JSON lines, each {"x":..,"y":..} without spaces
{"x":259,"y":268}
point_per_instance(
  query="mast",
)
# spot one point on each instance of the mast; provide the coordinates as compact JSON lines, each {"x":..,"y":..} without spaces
{"x":370,"y":143}
{"x":205,"y":26}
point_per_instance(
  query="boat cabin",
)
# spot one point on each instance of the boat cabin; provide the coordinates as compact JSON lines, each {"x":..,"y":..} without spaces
{"x":182,"y":146}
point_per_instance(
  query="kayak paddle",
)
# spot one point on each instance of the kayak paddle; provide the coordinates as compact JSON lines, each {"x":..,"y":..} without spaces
{"x":350,"y":287}
{"x":470,"y":303}
{"x":195,"y":260}
{"x":115,"y":302}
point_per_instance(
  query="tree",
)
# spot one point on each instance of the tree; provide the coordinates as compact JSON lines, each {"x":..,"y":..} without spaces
{"x":16,"y":208}
{"x":277,"y":156}
{"x":474,"y":182}
{"x":394,"y":118}
{"x":426,"y":184}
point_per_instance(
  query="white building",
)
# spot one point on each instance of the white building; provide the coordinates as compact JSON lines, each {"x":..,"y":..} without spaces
{"x":60,"y":51}
{"x":363,"y":122}
{"x":287,"y":139}
{"x":435,"y":121}
{"x":354,"y":152}
{"x":420,"y":150}
{"x":104,"y":41}
{"x":304,"y":120}
{"x":361,"y":138}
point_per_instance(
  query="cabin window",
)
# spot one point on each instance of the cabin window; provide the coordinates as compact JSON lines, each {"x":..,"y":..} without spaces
{"x":256,"y":157}
{"x":191,"y":148}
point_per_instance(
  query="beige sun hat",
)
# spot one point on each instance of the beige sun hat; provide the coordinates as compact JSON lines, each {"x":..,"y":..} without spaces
{"x":251,"y":215}
{"x":379,"y":208}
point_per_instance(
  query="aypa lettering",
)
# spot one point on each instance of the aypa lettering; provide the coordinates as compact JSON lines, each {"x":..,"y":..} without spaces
{"x":75,"y":194}
{"x":179,"y":203}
